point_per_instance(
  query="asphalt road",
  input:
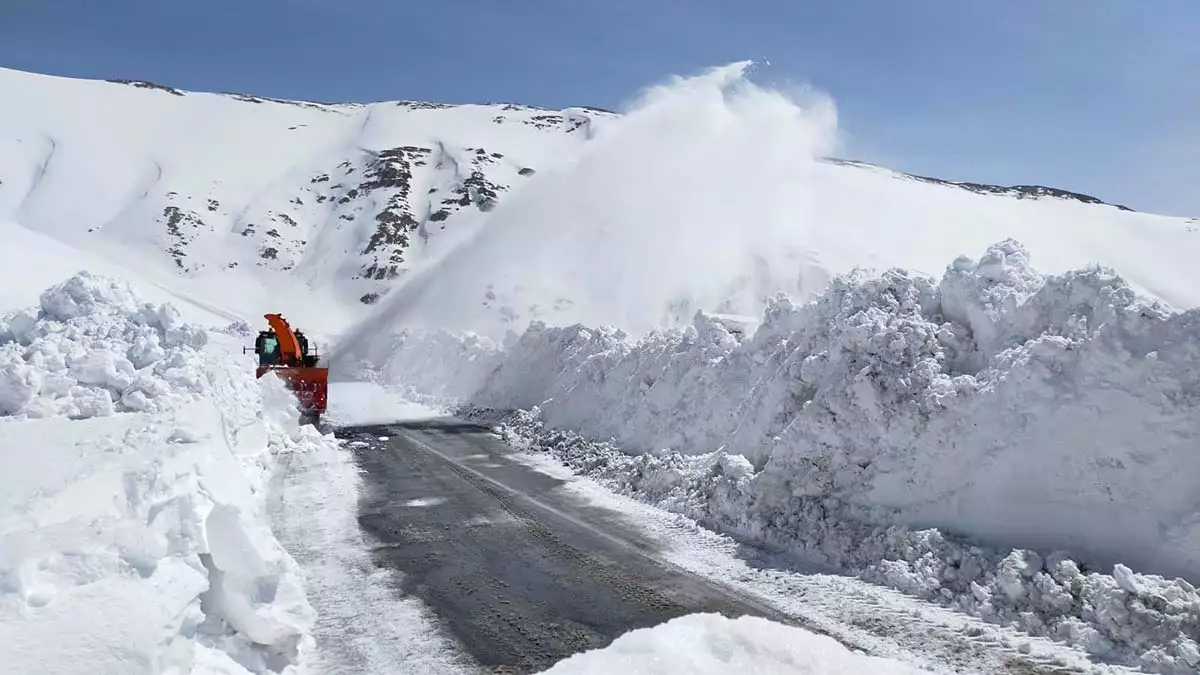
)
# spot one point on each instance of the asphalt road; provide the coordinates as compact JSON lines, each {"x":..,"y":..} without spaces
{"x":521,"y":573}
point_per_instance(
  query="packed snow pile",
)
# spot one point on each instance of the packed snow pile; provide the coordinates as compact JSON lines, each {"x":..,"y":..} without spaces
{"x":433,"y":365}
{"x":1052,"y":413}
{"x":711,"y":644}
{"x":139,"y":542}
{"x":93,"y":348}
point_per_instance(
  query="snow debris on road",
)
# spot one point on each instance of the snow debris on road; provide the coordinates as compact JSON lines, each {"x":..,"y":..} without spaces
{"x":133,"y":532}
{"x":1012,"y":411}
{"x":710,"y":644}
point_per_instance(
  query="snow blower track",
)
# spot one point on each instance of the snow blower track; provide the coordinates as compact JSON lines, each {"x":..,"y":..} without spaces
{"x":524,"y":570}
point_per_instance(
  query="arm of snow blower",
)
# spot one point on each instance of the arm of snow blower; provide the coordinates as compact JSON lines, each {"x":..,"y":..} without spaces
{"x":289,"y":347}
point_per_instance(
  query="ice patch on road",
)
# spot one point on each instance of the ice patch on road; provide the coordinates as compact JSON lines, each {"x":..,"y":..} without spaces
{"x":426,"y":501}
{"x":710,"y":644}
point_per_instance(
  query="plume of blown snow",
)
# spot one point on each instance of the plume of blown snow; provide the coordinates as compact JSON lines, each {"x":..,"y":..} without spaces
{"x":640,"y":230}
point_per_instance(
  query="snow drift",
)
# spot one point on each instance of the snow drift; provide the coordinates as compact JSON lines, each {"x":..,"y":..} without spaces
{"x":134,"y":539}
{"x":1045,"y":412}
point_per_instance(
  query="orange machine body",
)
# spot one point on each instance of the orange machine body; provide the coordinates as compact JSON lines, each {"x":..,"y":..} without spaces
{"x":286,"y":353}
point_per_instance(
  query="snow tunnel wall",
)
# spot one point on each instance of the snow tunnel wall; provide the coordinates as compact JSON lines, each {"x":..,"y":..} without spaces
{"x":1048,"y":412}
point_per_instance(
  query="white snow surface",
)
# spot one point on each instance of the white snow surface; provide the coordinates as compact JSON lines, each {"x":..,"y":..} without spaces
{"x":134,"y":538}
{"x":262,"y":205}
{"x":93,"y":348}
{"x":712,"y":194}
{"x":365,"y":403}
{"x":710,"y":644}
{"x":1048,"y":413}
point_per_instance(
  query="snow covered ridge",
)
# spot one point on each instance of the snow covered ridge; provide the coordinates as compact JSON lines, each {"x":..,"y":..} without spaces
{"x":92,"y":348}
{"x":136,"y":539}
{"x":199,"y":184}
{"x":1050,"y":413}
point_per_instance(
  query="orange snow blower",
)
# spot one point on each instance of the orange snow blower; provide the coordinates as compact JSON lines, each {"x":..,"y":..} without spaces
{"x":286,"y":353}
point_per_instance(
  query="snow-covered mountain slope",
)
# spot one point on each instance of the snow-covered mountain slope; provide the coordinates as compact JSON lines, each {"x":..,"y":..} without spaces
{"x":251,"y":204}
{"x":712,"y":194}
{"x":211,"y":184}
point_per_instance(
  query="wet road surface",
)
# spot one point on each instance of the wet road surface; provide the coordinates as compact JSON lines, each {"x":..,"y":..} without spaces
{"x":521,"y":573}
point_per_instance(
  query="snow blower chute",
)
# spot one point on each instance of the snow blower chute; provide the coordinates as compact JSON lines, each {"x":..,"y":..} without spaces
{"x":286,"y":353}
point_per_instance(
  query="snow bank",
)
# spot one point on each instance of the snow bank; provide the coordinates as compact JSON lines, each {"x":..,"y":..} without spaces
{"x":138,"y":542}
{"x":93,"y":349}
{"x":710,"y":644}
{"x":443,"y":365}
{"x":1055,"y":413}
{"x":356,"y":404}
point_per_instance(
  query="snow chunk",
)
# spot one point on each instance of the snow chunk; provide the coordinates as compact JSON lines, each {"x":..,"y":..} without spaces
{"x":93,"y":348}
{"x":710,"y":644}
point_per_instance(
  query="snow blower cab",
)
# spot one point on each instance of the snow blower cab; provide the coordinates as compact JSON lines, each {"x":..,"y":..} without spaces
{"x":287,"y":353}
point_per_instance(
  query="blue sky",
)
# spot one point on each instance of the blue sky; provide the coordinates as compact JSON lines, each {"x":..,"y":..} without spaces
{"x":1098,"y":96}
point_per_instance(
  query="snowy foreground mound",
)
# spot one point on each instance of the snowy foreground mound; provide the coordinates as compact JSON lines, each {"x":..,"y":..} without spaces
{"x":138,"y":542}
{"x":1056,"y":413}
{"x":710,"y":644}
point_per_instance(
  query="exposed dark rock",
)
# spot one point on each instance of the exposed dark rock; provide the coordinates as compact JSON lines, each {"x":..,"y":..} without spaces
{"x":312,"y":105}
{"x":213,"y":205}
{"x":182,"y":229}
{"x":269,"y":253}
{"x":369,"y":298}
{"x":544,"y":121}
{"x":143,"y":84}
{"x":392,"y":170}
{"x":526,"y":171}
{"x":423,"y":105}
